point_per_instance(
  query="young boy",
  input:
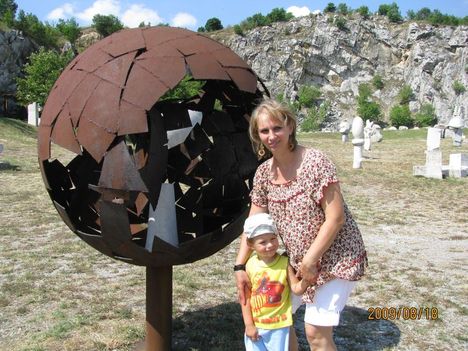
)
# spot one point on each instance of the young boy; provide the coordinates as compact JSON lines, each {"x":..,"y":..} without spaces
{"x":267,"y":312}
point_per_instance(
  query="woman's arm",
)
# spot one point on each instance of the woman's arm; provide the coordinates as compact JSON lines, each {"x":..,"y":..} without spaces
{"x":332,"y":205}
{"x":242,"y":280}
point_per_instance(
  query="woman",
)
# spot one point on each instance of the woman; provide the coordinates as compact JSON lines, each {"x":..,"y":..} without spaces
{"x":299,"y":188}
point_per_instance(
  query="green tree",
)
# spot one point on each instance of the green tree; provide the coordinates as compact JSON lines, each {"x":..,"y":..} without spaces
{"x":400,"y":115}
{"x":423,"y":14}
{"x":201,"y":30}
{"x":330,"y":8}
{"x":43,"y":34}
{"x":394,"y":14}
{"x":426,"y":116}
{"x":364,"y":12}
{"x":383,"y":9}
{"x":106,"y":24}
{"x":213,"y":24}
{"x":256,"y":20}
{"x":8,"y":6}
{"x":69,"y":28}
{"x":343,"y":9}
{"x":279,"y":15}
{"x":40,"y":74}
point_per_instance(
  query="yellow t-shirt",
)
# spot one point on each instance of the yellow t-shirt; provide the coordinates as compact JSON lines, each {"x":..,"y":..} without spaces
{"x":270,"y":301}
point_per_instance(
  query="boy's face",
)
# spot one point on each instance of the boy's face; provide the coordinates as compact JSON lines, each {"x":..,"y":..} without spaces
{"x":265,"y":245}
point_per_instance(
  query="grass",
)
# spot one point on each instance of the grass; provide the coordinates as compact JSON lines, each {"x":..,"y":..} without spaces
{"x":57,"y":293}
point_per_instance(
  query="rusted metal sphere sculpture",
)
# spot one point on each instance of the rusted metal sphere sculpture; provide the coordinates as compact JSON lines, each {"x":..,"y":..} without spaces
{"x":155,"y":181}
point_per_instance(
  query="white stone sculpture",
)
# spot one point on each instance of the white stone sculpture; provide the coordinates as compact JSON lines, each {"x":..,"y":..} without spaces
{"x":372,"y":134}
{"x":33,"y":114}
{"x":456,"y":125}
{"x":358,"y":140}
{"x":345,"y":127}
{"x":433,"y":166}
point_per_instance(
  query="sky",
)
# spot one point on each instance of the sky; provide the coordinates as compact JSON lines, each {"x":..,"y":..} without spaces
{"x":192,"y":14}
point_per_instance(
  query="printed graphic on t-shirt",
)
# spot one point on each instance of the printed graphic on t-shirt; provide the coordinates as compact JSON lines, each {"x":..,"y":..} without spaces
{"x":266,"y":293}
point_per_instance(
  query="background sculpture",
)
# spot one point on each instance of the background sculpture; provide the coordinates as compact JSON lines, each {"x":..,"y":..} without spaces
{"x":357,"y":129}
{"x":106,"y":108}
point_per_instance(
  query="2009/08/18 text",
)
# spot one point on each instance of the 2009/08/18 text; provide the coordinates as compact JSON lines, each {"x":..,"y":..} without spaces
{"x":403,"y":312}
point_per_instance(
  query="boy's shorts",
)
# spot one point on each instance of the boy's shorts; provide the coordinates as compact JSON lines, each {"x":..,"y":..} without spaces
{"x":329,"y":301}
{"x":270,"y":339}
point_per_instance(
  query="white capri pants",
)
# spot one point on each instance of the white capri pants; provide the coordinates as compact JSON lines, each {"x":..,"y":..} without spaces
{"x":329,"y":300}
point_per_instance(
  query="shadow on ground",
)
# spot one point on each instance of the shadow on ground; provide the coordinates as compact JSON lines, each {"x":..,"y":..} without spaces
{"x":356,"y":332}
{"x":5,"y":166}
{"x":221,"y":328}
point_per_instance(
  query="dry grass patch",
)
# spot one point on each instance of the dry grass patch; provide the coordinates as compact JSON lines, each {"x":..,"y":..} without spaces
{"x":57,"y":293}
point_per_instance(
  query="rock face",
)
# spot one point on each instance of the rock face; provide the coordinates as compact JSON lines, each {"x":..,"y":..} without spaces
{"x":312,"y":50}
{"x":14,"y":51}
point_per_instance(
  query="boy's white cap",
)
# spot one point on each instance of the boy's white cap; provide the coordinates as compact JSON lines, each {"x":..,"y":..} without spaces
{"x":259,"y":224}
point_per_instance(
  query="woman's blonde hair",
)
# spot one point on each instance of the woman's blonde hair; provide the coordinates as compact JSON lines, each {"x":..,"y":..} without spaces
{"x":275,"y":110}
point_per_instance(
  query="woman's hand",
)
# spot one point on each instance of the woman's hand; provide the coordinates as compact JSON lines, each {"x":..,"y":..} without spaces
{"x":309,"y":271}
{"x":243,"y":285}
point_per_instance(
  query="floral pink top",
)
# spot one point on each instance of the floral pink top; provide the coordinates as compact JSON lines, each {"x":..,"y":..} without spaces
{"x":295,"y":207}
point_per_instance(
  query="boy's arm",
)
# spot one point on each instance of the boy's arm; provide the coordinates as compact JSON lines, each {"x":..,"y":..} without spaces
{"x":250,"y":328}
{"x":298,"y":287}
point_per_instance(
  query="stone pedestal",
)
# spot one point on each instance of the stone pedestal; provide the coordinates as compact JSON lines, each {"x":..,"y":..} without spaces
{"x":33,"y":114}
{"x":458,"y":165}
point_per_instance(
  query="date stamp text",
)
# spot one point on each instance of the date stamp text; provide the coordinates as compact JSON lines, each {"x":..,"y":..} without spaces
{"x":403,"y":312}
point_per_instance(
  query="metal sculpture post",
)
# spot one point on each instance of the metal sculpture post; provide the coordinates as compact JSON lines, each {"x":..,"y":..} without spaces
{"x":156,"y":181}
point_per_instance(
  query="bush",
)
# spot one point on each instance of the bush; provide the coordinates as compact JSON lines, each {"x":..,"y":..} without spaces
{"x":369,"y":110}
{"x":400,"y":115}
{"x":41,"y":72}
{"x":426,"y":116}
{"x":279,"y":15}
{"x":343,"y":9}
{"x":364,"y":12}
{"x":106,"y":25}
{"x":391,"y":11}
{"x":308,"y":95}
{"x":378,"y":82}
{"x":315,"y":117}
{"x":458,"y":87}
{"x":69,"y":28}
{"x":331,"y":8}
{"x":340,"y":22}
{"x":405,"y":95}
{"x":238,"y":30}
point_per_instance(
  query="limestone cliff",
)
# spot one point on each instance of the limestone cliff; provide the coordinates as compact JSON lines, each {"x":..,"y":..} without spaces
{"x":14,"y":51}
{"x":312,"y":50}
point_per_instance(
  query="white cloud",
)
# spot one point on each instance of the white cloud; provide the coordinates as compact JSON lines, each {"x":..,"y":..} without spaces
{"x":298,"y":11}
{"x":64,"y":11}
{"x":102,"y":7}
{"x":184,"y":20}
{"x":138,"y":13}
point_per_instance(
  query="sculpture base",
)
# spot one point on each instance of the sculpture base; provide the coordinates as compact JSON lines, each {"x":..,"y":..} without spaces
{"x":158,"y":310}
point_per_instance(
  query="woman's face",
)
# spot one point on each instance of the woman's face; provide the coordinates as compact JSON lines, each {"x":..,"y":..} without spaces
{"x":273,"y":133}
